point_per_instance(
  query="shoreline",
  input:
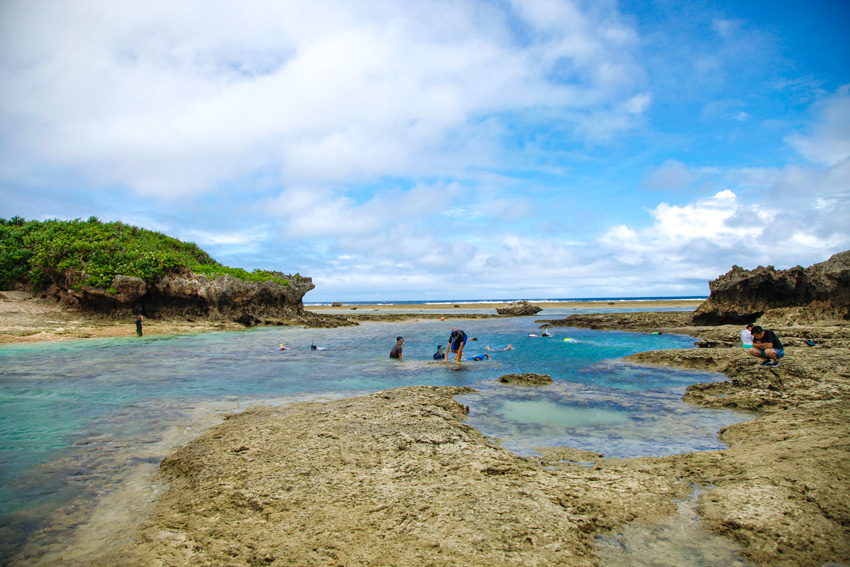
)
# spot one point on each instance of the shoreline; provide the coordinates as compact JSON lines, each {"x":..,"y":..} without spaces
{"x":411,"y":480}
{"x":26,"y":318}
{"x":448,"y":308}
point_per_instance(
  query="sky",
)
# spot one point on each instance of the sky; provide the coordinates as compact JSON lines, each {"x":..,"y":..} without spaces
{"x":441,"y":150}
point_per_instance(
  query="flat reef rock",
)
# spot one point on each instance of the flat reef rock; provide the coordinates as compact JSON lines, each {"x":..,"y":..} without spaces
{"x":819,"y":292}
{"x":783,"y":486}
{"x":391,"y":478}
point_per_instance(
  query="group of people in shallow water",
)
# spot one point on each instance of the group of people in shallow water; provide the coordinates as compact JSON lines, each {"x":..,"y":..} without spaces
{"x":456,"y":344}
{"x":761,"y":343}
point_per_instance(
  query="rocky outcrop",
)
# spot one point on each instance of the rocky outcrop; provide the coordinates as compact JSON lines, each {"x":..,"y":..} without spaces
{"x":192,"y":296}
{"x":821,"y":291}
{"x":518,"y":309}
{"x":526,"y":379}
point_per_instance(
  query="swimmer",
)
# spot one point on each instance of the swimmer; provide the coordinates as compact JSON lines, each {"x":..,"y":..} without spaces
{"x":509,"y":347}
{"x":282,"y":347}
{"x":440,"y":354}
{"x":480,"y":357}
{"x":313,"y":347}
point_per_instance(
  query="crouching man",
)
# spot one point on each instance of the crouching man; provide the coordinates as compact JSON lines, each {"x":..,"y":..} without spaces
{"x":766,"y":346}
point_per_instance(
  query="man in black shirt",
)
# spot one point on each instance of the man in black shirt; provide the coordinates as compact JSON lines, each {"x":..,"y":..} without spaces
{"x":767,"y":346}
{"x":396,"y":351}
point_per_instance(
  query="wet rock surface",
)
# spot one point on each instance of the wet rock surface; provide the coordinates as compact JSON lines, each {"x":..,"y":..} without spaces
{"x":526,"y":379}
{"x":392,"y":478}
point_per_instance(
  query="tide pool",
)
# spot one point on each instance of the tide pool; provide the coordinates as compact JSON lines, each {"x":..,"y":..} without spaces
{"x":80,"y":421}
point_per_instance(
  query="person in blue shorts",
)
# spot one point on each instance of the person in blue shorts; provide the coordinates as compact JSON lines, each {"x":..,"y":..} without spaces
{"x":457,"y":340}
{"x":766,"y":346}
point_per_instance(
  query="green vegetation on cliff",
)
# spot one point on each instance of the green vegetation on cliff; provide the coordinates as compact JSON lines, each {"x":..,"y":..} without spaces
{"x":92,"y":253}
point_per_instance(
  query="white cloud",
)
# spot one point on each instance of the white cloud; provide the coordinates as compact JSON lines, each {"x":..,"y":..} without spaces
{"x":829,"y":141}
{"x":171,"y":99}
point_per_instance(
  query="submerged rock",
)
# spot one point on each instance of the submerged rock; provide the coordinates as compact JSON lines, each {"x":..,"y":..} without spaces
{"x":526,"y":379}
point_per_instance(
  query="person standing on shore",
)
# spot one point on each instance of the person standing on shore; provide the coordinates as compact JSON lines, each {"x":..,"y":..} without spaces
{"x":396,"y":351}
{"x":139,"y":325}
{"x":457,"y":340}
{"x":766,"y":345}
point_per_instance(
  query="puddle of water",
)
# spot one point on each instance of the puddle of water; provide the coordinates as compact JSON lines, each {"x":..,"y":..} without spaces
{"x":546,"y":411}
{"x":674,"y":542}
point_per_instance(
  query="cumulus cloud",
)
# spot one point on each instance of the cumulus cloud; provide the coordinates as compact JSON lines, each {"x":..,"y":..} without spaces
{"x":171,"y":99}
{"x":829,"y":141}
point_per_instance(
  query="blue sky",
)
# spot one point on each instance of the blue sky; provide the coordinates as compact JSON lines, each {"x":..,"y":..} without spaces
{"x":441,"y":149}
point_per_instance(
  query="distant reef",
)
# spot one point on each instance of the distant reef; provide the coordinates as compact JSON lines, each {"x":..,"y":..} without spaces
{"x":817,"y":295}
{"x":114,"y":269}
{"x":797,"y":295}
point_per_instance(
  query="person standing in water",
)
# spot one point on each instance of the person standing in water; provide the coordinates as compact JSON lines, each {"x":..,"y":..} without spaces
{"x":139,"y":325}
{"x":396,"y":351}
{"x":457,"y":340}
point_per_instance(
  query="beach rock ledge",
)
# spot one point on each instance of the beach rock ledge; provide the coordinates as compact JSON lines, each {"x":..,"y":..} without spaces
{"x":819,"y":292}
{"x":192,"y":296}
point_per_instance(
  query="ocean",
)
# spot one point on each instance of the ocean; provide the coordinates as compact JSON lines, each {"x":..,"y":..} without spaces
{"x":84,"y":424}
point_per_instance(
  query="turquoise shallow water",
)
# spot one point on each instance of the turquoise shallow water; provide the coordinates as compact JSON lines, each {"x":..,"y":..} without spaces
{"x":74,"y":415}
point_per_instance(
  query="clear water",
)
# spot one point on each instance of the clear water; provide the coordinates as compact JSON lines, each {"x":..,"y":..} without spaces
{"x":80,"y":418}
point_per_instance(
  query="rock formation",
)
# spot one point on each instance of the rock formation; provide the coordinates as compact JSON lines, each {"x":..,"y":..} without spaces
{"x":518,"y":309}
{"x":821,"y":291}
{"x":193,"y":296}
{"x":526,"y":379}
